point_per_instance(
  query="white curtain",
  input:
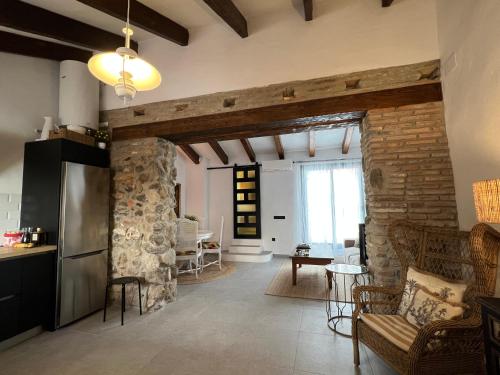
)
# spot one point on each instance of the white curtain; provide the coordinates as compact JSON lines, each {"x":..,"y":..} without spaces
{"x":331,"y":202}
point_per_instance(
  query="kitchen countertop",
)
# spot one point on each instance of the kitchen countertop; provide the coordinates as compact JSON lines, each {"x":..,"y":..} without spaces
{"x":11,"y":252}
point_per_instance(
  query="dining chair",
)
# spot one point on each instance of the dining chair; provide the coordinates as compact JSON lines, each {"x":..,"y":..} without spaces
{"x":214,"y":248}
{"x":186,"y":248}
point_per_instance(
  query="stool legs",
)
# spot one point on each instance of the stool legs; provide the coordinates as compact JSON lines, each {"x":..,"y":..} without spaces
{"x":123,"y":282}
{"x":105,"y":303}
{"x":123,"y":300}
{"x":140,"y":302}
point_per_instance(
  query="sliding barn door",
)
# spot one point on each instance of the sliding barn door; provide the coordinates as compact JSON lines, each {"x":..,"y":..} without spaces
{"x":246,"y":202}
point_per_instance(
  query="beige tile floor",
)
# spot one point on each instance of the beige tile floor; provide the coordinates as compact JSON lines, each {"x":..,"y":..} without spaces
{"x":225,"y":327}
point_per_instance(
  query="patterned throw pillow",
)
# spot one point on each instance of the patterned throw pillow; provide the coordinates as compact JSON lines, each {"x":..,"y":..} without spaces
{"x":446,"y":290}
{"x":427,"y":307}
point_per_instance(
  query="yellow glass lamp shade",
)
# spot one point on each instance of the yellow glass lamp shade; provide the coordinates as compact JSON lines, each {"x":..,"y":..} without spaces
{"x":487,"y":200}
{"x":108,"y":68}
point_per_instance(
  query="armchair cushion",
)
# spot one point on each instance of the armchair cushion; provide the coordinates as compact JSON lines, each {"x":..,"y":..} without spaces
{"x":427,"y":307}
{"x":449,"y":291}
{"x":394,"y":328}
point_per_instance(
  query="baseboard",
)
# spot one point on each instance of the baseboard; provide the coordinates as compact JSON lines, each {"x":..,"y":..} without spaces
{"x":9,"y":343}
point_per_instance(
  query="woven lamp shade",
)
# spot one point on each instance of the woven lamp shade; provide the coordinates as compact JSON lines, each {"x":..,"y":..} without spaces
{"x":487,"y":200}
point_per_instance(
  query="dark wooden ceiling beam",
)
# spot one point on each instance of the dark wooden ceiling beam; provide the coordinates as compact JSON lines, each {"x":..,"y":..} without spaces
{"x":230,"y":14}
{"x":25,"y":17}
{"x":262,"y":132}
{"x":248,"y":149}
{"x":219,"y":151}
{"x":190,"y":153}
{"x":346,"y":143}
{"x":312,"y":144}
{"x":387,"y":3}
{"x":143,"y":17}
{"x":279,"y":147}
{"x":23,"y":45}
{"x":287,"y":117}
{"x":308,"y":10}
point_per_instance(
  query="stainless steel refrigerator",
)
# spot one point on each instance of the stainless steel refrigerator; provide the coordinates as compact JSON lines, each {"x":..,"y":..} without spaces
{"x":83,"y":241}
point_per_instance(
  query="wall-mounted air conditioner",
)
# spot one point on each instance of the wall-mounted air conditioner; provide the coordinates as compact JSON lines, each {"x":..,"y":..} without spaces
{"x":277,"y":165}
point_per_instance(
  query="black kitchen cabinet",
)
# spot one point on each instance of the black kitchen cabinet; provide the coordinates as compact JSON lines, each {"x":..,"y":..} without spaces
{"x":9,"y":316}
{"x":26,"y":293}
{"x":37,"y":291}
{"x":42,"y":180}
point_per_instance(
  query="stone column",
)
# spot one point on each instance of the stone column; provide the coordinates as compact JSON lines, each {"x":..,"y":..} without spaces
{"x":143,"y":218}
{"x":408,"y":175}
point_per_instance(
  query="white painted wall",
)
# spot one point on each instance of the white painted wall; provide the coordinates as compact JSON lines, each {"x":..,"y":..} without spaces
{"x":278,"y":197}
{"x":180,"y":165}
{"x":470,"y":30}
{"x":197,"y":190}
{"x":29,"y":90}
{"x":345,"y":36}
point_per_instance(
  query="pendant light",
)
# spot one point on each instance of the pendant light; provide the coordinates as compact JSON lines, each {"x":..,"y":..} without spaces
{"x":124,"y":70}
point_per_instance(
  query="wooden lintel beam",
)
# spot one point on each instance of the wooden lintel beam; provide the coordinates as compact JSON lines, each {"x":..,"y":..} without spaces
{"x":308,"y":10}
{"x":279,"y":147}
{"x":312,"y":144}
{"x":346,"y":143}
{"x":219,"y":151}
{"x":387,"y":3}
{"x":248,"y":149}
{"x":23,"y":45}
{"x":190,"y":153}
{"x":25,"y":17}
{"x":286,"y":117}
{"x":143,"y":17}
{"x":230,"y":14}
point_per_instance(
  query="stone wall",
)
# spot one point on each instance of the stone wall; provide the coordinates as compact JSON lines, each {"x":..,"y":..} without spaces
{"x":408,"y":175}
{"x":289,"y":92}
{"x":143,"y":217}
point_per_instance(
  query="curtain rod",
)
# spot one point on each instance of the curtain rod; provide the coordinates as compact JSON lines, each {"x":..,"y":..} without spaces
{"x":326,"y":160}
{"x":294,"y":162}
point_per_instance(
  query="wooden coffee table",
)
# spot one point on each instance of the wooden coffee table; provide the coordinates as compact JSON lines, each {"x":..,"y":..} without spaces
{"x":317,"y":256}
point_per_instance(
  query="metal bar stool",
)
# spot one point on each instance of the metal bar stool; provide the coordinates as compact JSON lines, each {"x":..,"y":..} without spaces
{"x":122,"y":281}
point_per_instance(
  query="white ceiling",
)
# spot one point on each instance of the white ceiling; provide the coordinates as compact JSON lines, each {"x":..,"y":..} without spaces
{"x":193,"y":14}
{"x":298,"y":142}
{"x":188,"y":13}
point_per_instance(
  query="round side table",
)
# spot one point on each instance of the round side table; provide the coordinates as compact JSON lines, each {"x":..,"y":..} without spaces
{"x":344,"y":277}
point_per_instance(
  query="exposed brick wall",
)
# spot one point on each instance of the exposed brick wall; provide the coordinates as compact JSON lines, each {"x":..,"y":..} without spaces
{"x":408,"y":175}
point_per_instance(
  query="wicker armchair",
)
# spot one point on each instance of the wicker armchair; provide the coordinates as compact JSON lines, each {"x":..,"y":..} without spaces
{"x":441,"y":347}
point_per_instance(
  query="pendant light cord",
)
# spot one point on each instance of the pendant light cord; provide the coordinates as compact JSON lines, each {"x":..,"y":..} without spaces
{"x":127,"y":45}
{"x":127,"y":26}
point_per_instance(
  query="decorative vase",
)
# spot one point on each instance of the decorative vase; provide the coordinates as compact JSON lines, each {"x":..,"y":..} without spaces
{"x":101,"y":145}
{"x":48,"y":125}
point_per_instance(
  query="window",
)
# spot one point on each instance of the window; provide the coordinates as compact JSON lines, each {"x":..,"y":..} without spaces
{"x":331,"y":199}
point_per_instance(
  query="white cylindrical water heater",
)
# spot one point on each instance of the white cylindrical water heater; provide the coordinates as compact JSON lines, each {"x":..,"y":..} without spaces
{"x":78,"y":95}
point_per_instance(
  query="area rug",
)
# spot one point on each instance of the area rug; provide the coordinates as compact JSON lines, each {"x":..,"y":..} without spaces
{"x":210,"y":273}
{"x":311,"y":283}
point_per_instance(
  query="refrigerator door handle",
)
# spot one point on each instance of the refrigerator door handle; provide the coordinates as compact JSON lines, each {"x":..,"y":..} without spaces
{"x":62,"y":213}
{"x":3,"y":299}
{"x":85,"y":255}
